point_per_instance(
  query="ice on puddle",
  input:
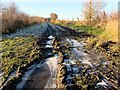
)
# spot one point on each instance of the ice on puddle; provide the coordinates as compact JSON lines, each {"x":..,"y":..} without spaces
{"x":48,"y":46}
{"x":51,"y":37}
{"x":66,"y":60}
{"x":75,"y":70}
{"x":72,"y":62}
{"x":87,"y":62}
{"x":103,"y":83}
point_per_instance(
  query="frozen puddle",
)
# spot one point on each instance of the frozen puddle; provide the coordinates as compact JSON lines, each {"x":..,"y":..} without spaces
{"x":1,"y":77}
{"x":75,"y":43}
{"x":87,"y":63}
{"x":69,"y":79}
{"x":48,"y":46}
{"x":51,"y":37}
{"x":52,"y":63}
{"x":27,"y":75}
{"x":78,"y":53}
{"x":50,"y":42}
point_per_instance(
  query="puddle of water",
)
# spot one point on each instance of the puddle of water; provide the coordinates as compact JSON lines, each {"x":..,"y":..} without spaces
{"x":52,"y":63}
{"x":27,"y":74}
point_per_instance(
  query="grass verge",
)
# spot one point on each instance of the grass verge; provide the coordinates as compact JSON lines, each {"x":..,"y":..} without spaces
{"x":18,"y":52}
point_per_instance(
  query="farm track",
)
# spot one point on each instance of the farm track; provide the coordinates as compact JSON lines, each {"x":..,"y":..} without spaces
{"x":65,"y":59}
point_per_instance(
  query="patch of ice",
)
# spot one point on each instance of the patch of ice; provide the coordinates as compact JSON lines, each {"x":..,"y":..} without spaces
{"x":76,"y":75}
{"x":1,"y":73}
{"x":35,"y":30}
{"x":52,"y":63}
{"x":27,"y":74}
{"x":75,"y":70}
{"x":68,"y":40}
{"x":69,"y":77}
{"x":51,"y":37}
{"x":25,"y":78}
{"x":75,"y":43}
{"x":103,"y":83}
{"x":48,"y":46}
{"x":49,"y":53}
{"x":13,"y":74}
{"x":87,"y":62}
{"x":72,"y":62}
{"x":39,"y":65}
{"x":49,"y":42}
{"x":66,"y":60}
{"x":78,"y":53}
{"x":68,"y":67}
{"x":105,"y":63}
{"x":69,"y":80}
{"x":31,"y":66}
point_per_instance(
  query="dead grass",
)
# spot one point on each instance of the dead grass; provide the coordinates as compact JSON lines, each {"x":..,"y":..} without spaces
{"x":110,"y":33}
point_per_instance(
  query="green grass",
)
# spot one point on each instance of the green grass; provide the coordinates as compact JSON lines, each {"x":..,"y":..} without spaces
{"x":88,"y":29}
{"x":17,"y":52}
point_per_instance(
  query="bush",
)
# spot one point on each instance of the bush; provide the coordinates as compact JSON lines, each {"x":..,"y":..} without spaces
{"x":12,"y":19}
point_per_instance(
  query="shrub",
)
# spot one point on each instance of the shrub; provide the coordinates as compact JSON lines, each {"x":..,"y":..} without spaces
{"x":12,"y":19}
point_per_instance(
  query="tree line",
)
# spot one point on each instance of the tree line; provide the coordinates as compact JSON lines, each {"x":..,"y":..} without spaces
{"x":13,"y":19}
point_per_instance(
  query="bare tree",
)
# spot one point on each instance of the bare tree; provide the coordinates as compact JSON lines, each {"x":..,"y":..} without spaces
{"x":78,"y":18}
{"x":54,"y":16}
{"x":91,"y":10}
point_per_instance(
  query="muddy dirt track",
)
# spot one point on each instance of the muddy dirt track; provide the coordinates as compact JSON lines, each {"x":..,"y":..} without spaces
{"x":66,"y":64}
